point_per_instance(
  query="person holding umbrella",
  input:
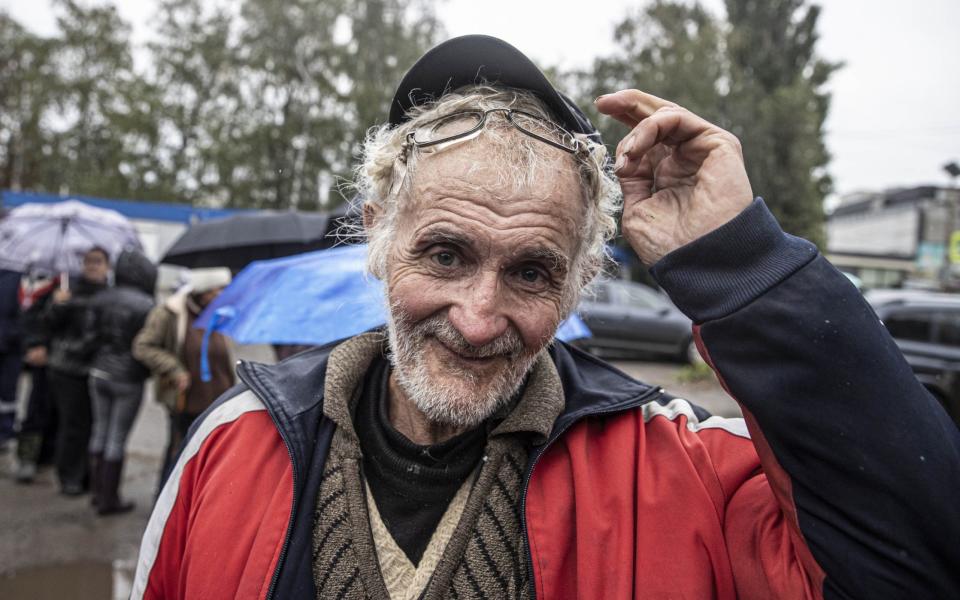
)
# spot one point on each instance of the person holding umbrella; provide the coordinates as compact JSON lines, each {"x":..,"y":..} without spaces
{"x":170,"y":346}
{"x":116,"y":377}
{"x":62,"y":239}
{"x":69,"y":319}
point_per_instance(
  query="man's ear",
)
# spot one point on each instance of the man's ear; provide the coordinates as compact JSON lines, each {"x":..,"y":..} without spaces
{"x":371,"y":216}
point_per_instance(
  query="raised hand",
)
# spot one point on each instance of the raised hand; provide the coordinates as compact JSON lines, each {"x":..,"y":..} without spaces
{"x":681,"y":176}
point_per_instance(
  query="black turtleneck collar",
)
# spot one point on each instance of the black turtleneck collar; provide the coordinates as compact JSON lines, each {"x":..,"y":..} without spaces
{"x":412,"y":484}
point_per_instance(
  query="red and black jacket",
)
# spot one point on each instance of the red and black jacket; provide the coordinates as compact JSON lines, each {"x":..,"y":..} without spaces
{"x":841,"y":483}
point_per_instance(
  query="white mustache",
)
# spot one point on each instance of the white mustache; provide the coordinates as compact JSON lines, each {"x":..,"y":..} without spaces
{"x":508,"y":344}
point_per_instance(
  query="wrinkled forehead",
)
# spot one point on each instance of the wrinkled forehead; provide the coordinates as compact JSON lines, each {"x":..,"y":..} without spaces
{"x":480,"y":187}
{"x":500,"y":163}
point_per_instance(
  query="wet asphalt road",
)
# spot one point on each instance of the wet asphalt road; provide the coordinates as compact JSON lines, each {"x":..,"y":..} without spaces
{"x":52,"y":546}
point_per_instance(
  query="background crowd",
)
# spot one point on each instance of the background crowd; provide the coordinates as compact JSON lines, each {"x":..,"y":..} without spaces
{"x":88,"y":344}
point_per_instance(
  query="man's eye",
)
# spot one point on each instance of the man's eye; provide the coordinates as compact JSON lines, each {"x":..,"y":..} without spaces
{"x":445,"y":259}
{"x":530,"y":275}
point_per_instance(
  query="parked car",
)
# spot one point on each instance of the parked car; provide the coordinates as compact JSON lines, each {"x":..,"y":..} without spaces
{"x":627,"y":319}
{"x":854,"y":280}
{"x":926,"y":327}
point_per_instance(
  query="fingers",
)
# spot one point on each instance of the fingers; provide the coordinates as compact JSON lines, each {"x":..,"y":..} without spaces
{"x":649,"y":162}
{"x":635,"y":189}
{"x":668,"y":127}
{"x":630,"y":106}
{"x":655,"y":121}
{"x":642,"y":170}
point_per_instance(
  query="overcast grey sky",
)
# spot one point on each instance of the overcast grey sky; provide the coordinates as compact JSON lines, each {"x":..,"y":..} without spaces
{"x":895,"y":118}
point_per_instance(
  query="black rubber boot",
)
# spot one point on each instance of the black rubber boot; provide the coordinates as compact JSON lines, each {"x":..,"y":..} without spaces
{"x":96,"y":463}
{"x":110,"y":503}
{"x":28,"y":455}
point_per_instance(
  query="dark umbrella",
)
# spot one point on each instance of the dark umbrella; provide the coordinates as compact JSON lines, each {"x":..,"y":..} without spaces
{"x":236,"y":241}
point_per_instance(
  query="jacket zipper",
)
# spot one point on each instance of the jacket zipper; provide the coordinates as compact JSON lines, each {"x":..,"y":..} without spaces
{"x":640,"y":400}
{"x":241,"y":371}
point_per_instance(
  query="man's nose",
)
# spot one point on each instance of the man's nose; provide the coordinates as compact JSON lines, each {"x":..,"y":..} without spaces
{"x":478,"y":314}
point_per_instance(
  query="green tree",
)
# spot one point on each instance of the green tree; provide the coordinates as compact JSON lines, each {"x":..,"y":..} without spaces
{"x":387,"y":37}
{"x":755,"y":73}
{"x":291,"y":102}
{"x":27,"y":94}
{"x":263,"y":104}
{"x":195,"y":81}
{"x":266,"y":107}
{"x":670,"y":49}
{"x":97,"y":112}
{"x":74,"y":117}
{"x":316,"y":76}
{"x":778,"y":105}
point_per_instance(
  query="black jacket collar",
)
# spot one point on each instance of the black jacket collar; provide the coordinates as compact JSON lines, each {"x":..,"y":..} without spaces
{"x":295,"y":386}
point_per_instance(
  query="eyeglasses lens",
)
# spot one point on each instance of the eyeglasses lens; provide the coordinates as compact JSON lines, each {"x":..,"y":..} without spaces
{"x":447,"y":127}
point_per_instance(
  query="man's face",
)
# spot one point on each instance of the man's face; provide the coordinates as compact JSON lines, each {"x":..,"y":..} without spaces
{"x":476,"y":278}
{"x":95,"y":266}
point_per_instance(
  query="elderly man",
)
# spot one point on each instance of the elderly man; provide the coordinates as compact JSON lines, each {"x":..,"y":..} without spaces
{"x":464,"y":454}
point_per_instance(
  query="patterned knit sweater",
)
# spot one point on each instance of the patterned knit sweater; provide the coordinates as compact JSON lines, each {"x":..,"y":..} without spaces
{"x":477,"y":550}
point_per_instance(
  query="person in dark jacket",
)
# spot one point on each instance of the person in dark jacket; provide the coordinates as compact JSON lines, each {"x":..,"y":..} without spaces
{"x":116,"y":377}
{"x":37,"y":430}
{"x":69,"y":318}
{"x":10,"y":351}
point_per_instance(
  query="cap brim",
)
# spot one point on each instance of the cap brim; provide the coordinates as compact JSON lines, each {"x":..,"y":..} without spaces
{"x":473,"y":59}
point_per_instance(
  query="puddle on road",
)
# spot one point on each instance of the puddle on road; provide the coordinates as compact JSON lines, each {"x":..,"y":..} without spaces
{"x":82,"y":581}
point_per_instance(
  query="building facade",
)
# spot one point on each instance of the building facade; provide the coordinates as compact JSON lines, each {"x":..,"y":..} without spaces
{"x":903,"y":237}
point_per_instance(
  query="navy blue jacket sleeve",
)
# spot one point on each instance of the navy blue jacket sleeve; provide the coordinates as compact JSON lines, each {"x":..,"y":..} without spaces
{"x":873,"y":460}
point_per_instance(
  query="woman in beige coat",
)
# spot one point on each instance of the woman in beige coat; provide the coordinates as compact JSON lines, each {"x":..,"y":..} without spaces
{"x":170,"y":347}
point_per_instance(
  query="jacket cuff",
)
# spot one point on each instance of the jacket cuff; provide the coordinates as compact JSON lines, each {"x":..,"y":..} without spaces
{"x":728,"y":268}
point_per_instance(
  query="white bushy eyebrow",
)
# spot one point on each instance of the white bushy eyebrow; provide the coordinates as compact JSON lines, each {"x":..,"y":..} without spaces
{"x":555,"y":260}
{"x":443,"y":235}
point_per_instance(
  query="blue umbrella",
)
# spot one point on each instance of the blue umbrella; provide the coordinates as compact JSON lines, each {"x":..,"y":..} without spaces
{"x":312,"y":299}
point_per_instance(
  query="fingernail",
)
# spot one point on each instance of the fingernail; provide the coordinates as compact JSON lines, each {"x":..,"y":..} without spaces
{"x":621,"y":160}
{"x":600,"y":97}
{"x":628,"y":146}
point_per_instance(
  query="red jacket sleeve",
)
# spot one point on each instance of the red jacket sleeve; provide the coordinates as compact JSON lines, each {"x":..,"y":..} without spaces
{"x":219,"y":524}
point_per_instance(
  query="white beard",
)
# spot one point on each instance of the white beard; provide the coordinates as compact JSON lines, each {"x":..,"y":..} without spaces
{"x":462,"y":399}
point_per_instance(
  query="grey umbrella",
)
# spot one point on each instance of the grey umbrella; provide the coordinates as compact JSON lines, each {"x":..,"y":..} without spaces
{"x":54,"y":237}
{"x":236,"y":241}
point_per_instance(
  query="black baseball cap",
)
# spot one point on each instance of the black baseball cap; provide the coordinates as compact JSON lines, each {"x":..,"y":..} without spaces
{"x":473,"y":59}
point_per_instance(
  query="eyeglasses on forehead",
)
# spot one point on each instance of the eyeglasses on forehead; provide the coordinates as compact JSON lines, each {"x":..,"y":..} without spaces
{"x":466,"y":124}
